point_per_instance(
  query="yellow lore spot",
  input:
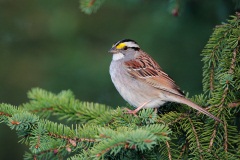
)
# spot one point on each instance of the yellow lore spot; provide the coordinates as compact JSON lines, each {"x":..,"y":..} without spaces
{"x":120,"y":45}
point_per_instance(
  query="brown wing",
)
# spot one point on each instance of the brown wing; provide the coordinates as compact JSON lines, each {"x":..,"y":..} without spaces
{"x":146,"y":69}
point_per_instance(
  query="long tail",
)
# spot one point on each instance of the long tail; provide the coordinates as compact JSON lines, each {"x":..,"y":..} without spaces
{"x":195,"y":106}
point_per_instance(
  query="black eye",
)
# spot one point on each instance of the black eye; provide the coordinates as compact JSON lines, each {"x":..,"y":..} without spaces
{"x":125,"y":48}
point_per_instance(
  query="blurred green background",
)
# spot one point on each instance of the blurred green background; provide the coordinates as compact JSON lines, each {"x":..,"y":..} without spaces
{"x":54,"y":46}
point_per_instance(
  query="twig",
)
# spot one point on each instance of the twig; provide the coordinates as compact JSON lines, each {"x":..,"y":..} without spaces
{"x":69,"y":139}
{"x":225,"y":137}
{"x":213,"y":136}
{"x":234,"y":104}
{"x":232,"y":67}
{"x":55,"y":150}
{"x":5,"y":114}
{"x":183,"y":150}
{"x":169,"y":152}
{"x":91,"y":3}
{"x":184,"y":115}
{"x":125,"y":144}
{"x":196,"y":136}
{"x":212,"y":78}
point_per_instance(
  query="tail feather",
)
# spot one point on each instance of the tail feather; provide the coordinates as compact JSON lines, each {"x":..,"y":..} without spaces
{"x":183,"y":100}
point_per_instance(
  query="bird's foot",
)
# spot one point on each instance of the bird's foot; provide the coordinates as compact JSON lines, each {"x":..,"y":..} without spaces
{"x":129,"y":111}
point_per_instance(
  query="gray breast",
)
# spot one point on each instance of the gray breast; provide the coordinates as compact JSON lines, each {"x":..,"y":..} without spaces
{"x":132,"y":90}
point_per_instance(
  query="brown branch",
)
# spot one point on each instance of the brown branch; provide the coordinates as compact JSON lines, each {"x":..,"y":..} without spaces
{"x":196,"y":136}
{"x":15,"y":122}
{"x":213,"y":136}
{"x":183,"y":150}
{"x":212,"y":78}
{"x":125,"y":144}
{"x":225,"y":137}
{"x":91,"y":3}
{"x":5,"y":114}
{"x":232,"y":67}
{"x":169,"y":152}
{"x":233,"y":104}
{"x":225,"y":92}
{"x":214,"y":131}
{"x":182,"y":116}
{"x":54,"y":150}
{"x":213,"y":55}
{"x":216,"y":156}
{"x":38,"y":143}
{"x":70,"y":139}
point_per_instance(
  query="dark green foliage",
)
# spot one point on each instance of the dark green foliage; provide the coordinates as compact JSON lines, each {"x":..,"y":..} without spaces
{"x":221,"y":81}
{"x":64,"y":102}
{"x":104,"y":133}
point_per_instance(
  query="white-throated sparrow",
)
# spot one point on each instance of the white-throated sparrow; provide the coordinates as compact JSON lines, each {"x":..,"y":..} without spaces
{"x":141,"y":81}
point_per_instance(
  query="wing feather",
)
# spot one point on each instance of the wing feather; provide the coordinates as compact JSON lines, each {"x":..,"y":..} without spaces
{"x":147,"y":70}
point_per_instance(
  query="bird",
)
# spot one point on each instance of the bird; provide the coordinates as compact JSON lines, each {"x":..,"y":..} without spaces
{"x":142,"y":82}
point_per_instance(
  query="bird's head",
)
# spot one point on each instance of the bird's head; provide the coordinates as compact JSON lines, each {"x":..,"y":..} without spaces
{"x":125,"y":47}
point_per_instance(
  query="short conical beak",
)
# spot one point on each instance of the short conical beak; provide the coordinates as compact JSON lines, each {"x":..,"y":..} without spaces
{"x":112,"y":50}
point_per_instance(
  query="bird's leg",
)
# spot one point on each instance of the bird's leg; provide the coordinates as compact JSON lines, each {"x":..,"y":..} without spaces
{"x":136,"y":110}
{"x":156,"y":110}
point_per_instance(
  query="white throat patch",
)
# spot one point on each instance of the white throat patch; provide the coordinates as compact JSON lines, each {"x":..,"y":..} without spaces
{"x":117,"y":56}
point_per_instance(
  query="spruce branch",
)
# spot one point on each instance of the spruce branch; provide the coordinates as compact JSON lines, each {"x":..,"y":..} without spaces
{"x":140,"y":139}
{"x":221,"y":62}
{"x":196,"y":136}
{"x":233,"y":104}
{"x":225,"y":136}
{"x":192,"y":136}
{"x":169,"y":152}
{"x":172,"y":118}
{"x":44,"y":136}
{"x":51,"y":140}
{"x":65,"y":106}
{"x":213,"y":136}
{"x":183,"y":150}
{"x":212,"y":78}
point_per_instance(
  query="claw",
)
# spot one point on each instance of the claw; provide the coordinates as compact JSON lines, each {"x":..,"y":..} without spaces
{"x":129,"y":111}
{"x":136,"y":110}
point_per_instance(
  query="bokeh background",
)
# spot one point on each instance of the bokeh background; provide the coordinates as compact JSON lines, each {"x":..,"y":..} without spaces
{"x":54,"y":46}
